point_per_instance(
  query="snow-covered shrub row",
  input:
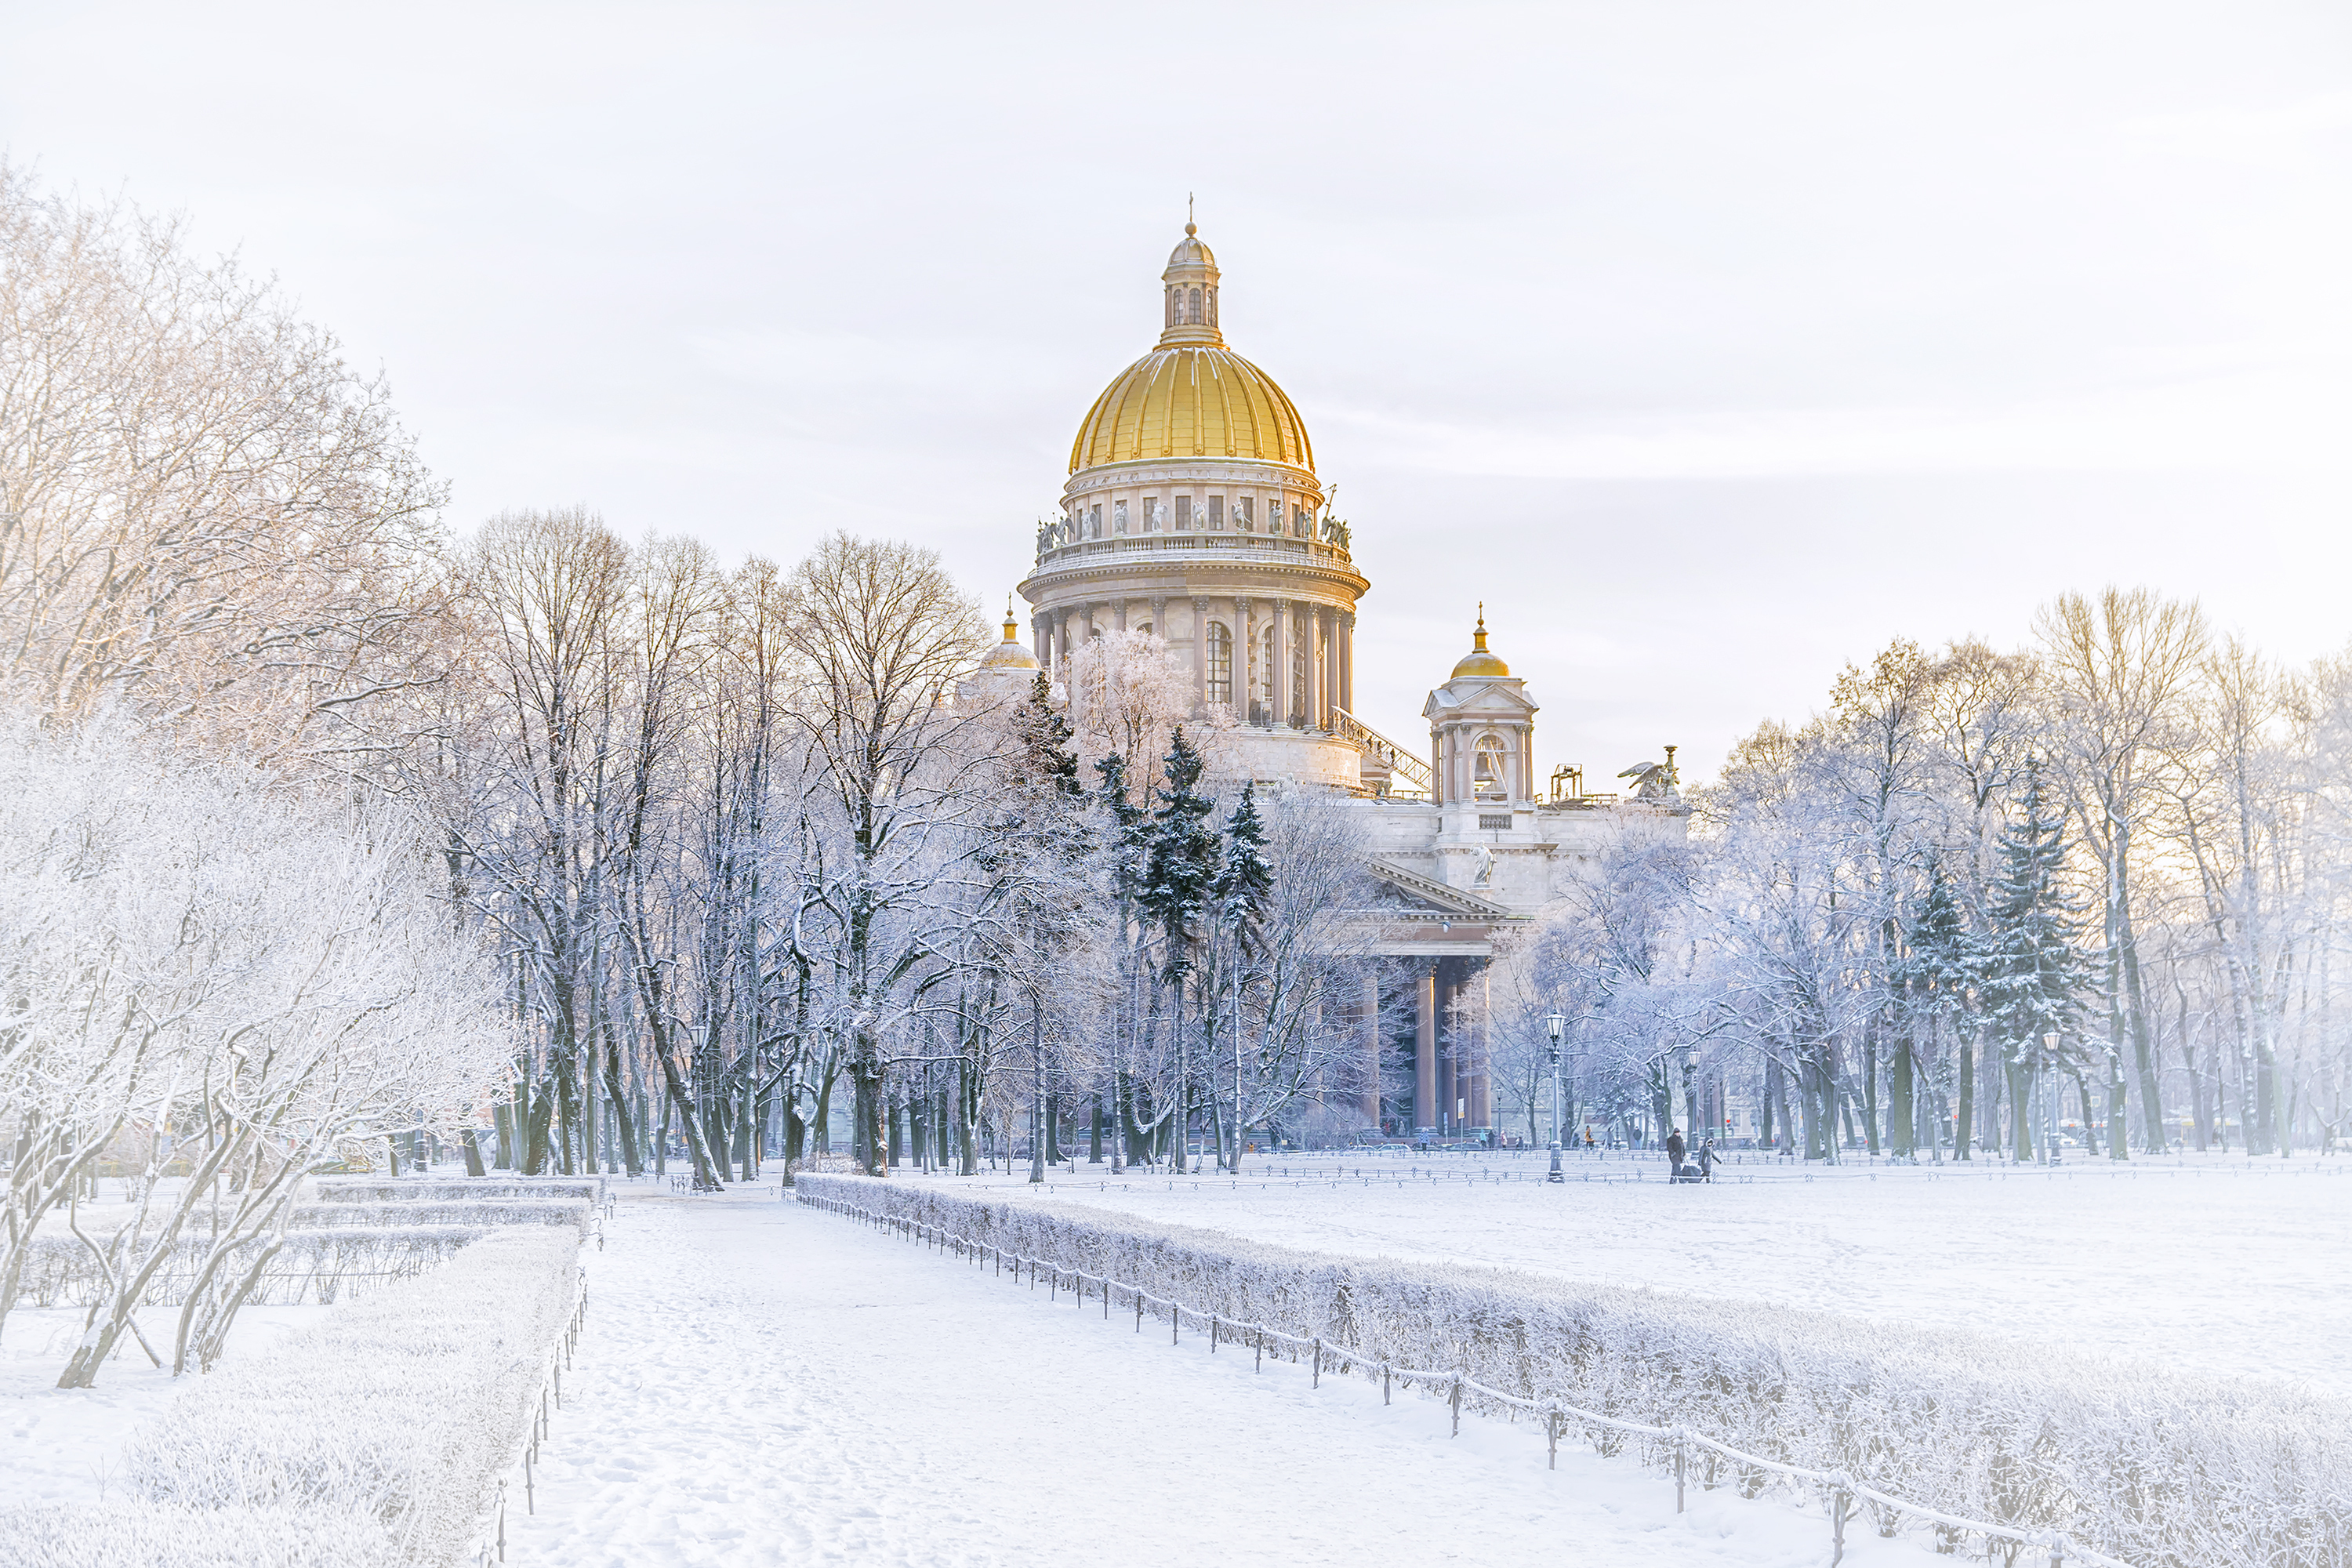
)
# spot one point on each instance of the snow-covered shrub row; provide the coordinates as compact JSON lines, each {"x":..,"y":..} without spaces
{"x":2157,"y":1469}
{"x":378,"y":1189}
{"x":124,"y":1532}
{"x":572,"y":1212}
{"x":392,"y":1422}
{"x":308,"y":1264}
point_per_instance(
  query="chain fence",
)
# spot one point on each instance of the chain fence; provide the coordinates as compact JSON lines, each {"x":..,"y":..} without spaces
{"x":1688,"y":1453}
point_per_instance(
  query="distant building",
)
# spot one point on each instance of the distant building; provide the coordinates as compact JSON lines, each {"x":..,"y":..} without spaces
{"x":1194,"y":510}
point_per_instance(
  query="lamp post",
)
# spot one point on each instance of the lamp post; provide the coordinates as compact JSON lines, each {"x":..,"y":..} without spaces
{"x":1554,"y":1023}
{"x":2049,"y":1095}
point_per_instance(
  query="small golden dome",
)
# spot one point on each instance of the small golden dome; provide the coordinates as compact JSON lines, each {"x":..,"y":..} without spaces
{"x":1192,"y":401}
{"x":1009,"y":654}
{"x":1478,"y":661}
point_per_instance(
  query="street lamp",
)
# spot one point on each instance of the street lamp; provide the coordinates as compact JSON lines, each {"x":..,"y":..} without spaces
{"x":1554,"y":1023}
{"x":2049,"y":1094}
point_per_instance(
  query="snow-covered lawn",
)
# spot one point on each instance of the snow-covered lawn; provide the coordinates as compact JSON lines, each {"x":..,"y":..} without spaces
{"x":759,"y":1383}
{"x":2229,"y":1267}
{"x":66,"y":1445}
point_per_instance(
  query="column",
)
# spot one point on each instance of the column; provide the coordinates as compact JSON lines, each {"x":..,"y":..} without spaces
{"x":1482,"y":1054}
{"x":1160,"y":620}
{"x":1372,"y":1005}
{"x":1119,"y":615}
{"x":1277,"y":688}
{"x":1244,"y":660}
{"x":1347,"y":662}
{"x":1041,"y":639}
{"x":1424,"y":1042}
{"x":1200,"y":653}
{"x":1320,"y":673}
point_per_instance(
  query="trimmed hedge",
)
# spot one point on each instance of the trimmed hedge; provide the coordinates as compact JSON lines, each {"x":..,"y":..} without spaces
{"x":2164,"y":1471}
{"x":377,"y":1437}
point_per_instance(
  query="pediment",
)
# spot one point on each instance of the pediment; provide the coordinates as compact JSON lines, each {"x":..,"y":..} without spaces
{"x":1480,"y":699}
{"x":1412,"y":890}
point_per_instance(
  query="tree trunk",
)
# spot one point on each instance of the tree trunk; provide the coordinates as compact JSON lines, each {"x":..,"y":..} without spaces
{"x":1901,"y":1122}
{"x":473,"y":1154}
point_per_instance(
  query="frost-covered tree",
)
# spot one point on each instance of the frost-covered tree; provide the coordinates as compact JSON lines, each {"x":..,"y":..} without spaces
{"x":2030,"y":973}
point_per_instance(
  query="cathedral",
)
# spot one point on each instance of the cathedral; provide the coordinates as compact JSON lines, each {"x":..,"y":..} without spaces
{"x":1194,"y":510}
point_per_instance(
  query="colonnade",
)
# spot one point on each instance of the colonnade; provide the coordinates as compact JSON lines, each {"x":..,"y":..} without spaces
{"x":1277,"y":688}
{"x":1452,"y":1082}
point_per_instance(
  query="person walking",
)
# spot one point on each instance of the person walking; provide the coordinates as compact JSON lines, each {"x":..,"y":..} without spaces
{"x":1708,"y":1160}
{"x":1676,"y":1150}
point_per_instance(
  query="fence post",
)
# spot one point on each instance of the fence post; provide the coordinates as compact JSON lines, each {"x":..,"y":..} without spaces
{"x":1457,"y":1404}
{"x":1384,"y":1382}
{"x":1139,"y":1311}
{"x":1212,"y":1333}
{"x":1682,"y":1467}
{"x":1318,"y":1361}
{"x":1260,"y":1338}
{"x":1552,"y":1437}
{"x":1838,"y":1502}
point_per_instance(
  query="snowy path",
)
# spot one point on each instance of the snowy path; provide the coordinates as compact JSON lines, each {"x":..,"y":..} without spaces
{"x":761,"y":1383}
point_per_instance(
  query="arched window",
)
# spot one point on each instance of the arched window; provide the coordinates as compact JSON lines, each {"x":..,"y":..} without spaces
{"x":1221,"y":665}
{"x":1193,"y":307}
{"x":1490,"y":769}
{"x":1212,"y":307}
{"x":1144,"y":630}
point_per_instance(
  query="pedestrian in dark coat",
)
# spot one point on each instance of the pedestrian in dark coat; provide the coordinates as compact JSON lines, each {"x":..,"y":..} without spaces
{"x":1708,"y":1160}
{"x":1676,"y":1149}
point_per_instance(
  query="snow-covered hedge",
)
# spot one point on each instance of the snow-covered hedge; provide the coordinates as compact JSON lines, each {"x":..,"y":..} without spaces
{"x":375,"y":1439}
{"x":572,"y":1212}
{"x":2162,"y":1470}
{"x":317,"y":1265}
{"x":468,"y":1189}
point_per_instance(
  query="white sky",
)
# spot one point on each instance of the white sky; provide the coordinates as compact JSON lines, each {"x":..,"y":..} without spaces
{"x":1712,"y":345}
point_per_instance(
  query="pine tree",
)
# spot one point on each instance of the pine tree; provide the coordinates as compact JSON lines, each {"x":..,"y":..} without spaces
{"x":1045,"y":741}
{"x":1180,"y":865}
{"x":1937,"y":977}
{"x":1180,"y":876}
{"x":2030,"y":974}
{"x":1244,"y":882}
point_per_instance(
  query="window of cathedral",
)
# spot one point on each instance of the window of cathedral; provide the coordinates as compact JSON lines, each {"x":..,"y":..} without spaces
{"x":1117,"y":518}
{"x":1145,"y":629}
{"x":1213,"y":305}
{"x":1490,"y":772}
{"x":1094,"y":523}
{"x":1193,"y":307}
{"x":1300,"y":517}
{"x":1221,"y":665}
{"x":1216,"y":511}
{"x":1183,"y":514}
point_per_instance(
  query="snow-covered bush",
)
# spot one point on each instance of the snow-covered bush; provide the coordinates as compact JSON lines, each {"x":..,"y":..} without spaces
{"x":2160,"y":1470}
{"x":574,"y":1211}
{"x":307,"y":1265}
{"x":399,"y":1412}
{"x":472,"y":1189}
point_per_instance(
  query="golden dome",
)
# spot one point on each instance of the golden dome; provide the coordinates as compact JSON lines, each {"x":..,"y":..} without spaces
{"x":1192,"y":396}
{"x":1009,"y":654}
{"x":1478,"y":661}
{"x":1192,"y":401}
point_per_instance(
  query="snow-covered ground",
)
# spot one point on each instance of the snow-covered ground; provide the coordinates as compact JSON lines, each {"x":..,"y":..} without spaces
{"x":763,"y":1383}
{"x":66,"y":1445}
{"x":2223,"y":1265}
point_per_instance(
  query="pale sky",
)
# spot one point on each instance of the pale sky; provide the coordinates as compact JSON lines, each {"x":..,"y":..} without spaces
{"x":1711,"y":345}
